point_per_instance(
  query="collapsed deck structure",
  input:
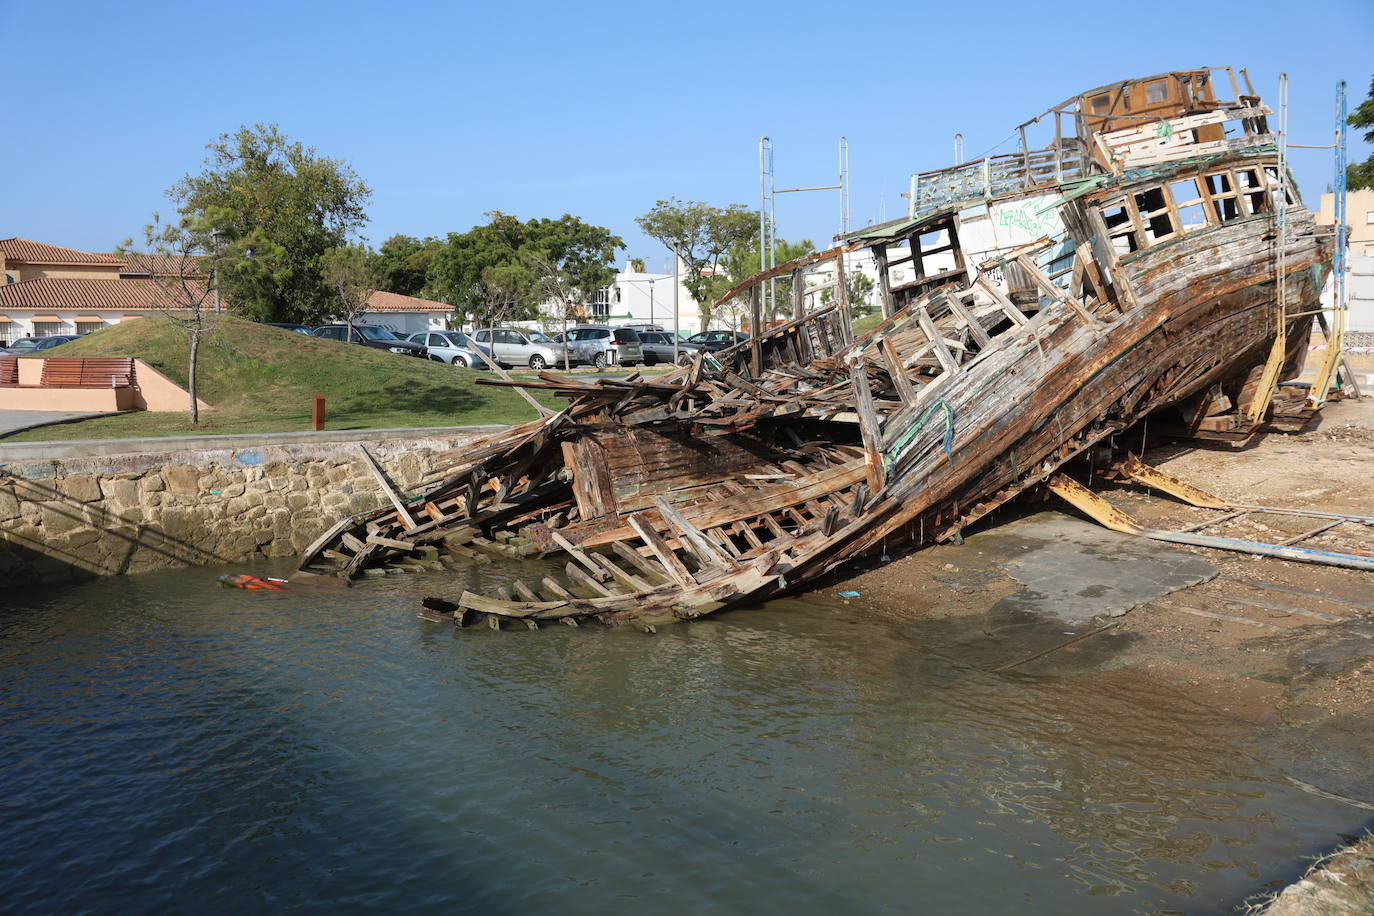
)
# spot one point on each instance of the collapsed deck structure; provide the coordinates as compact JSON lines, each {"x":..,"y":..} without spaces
{"x":1152,"y":259}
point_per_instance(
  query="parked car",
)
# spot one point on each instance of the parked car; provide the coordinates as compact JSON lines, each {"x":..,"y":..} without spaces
{"x":658,"y":348}
{"x":372,"y":336}
{"x":601,"y":345}
{"x":287,"y":326}
{"x":452,"y":347}
{"x":512,"y":347}
{"x":26,"y":345}
{"x":717,"y":340}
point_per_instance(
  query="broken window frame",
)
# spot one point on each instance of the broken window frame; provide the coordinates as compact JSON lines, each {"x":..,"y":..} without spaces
{"x":1254,"y":192}
{"x":1148,"y":219}
{"x":1123,"y":236}
{"x":1218,"y":199}
{"x":1248,"y":199}
{"x":1197,"y":203}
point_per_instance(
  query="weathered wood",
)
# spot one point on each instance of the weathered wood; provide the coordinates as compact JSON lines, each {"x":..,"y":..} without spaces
{"x":905,"y":390}
{"x":756,"y":330}
{"x":386,"y":487}
{"x":654,"y":572}
{"x":631,"y":581}
{"x":580,"y":577}
{"x":576,"y":553}
{"x":868,"y":428}
{"x":390,"y":542}
{"x":553,"y":588}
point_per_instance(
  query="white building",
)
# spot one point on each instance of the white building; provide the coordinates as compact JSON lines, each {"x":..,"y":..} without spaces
{"x":639,"y":297}
{"x":407,"y":314}
{"x":1359,"y":207}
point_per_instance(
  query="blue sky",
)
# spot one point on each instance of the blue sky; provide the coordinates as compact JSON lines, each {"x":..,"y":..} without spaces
{"x":449,"y":110}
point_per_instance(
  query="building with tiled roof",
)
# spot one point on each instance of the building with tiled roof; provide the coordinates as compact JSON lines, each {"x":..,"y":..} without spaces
{"x":22,"y":259}
{"x":49,"y":306}
{"x":407,"y":314}
{"x":162,"y":265}
{"x":51,"y":290}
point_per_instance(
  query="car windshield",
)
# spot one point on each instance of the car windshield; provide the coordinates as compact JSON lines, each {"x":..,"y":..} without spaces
{"x":700,"y":338}
{"x":457,"y":338}
{"x":376,"y":333}
{"x":540,"y":337}
{"x":24,"y":345}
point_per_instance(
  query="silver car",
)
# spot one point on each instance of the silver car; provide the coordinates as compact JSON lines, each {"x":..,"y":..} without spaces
{"x":511,"y":347}
{"x":452,"y":347}
{"x":602,"y":345}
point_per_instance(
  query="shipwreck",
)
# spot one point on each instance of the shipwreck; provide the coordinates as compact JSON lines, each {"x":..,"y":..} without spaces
{"x":1152,"y":259}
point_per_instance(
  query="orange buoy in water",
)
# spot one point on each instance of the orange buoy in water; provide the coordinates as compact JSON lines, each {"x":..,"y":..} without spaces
{"x":243,"y":580}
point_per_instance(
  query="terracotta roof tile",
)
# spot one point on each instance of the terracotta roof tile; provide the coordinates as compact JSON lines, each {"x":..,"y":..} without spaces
{"x":161,"y":265}
{"x":381,"y":301}
{"x":25,"y":251}
{"x":128,"y":295}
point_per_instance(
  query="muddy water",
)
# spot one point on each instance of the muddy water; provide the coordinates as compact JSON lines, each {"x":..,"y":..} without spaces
{"x":165,"y":744}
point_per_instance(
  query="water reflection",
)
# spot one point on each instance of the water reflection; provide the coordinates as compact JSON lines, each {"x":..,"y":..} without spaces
{"x":168,"y":744}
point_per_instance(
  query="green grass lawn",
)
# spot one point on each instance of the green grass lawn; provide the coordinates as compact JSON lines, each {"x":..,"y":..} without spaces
{"x":260,"y":379}
{"x":867,"y":323}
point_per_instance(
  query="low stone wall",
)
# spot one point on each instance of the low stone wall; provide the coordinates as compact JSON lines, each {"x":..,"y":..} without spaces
{"x":115,"y":514}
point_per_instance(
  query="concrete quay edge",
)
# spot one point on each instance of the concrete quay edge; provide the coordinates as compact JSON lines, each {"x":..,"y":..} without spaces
{"x":94,"y":448}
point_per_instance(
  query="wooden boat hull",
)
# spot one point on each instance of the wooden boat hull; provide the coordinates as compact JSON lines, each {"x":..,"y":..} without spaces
{"x":758,"y":469}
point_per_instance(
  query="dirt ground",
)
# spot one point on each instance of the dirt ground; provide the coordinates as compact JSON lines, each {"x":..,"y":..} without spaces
{"x":1279,"y":644}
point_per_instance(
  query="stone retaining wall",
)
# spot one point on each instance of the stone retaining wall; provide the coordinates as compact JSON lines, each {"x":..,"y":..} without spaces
{"x":117,"y":514}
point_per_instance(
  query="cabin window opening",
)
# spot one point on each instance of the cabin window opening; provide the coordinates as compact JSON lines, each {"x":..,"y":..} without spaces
{"x":1154,"y":214}
{"x":1219,"y":183}
{"x":1225,"y":203}
{"x":1188,"y":203}
{"x":1157,"y":91}
{"x":1120,"y":229}
{"x":1101,"y":104}
{"x":1271,"y":173}
{"x":1251,"y":191}
{"x":1191,"y":218}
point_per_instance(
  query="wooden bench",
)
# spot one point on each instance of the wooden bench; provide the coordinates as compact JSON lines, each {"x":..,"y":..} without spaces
{"x":80,"y":372}
{"x":9,"y":372}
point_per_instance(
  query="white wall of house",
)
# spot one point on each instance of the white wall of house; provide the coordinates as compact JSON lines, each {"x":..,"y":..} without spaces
{"x":1359,"y":291}
{"x":21,"y":322}
{"x":409,"y":322}
{"x":644,"y":297}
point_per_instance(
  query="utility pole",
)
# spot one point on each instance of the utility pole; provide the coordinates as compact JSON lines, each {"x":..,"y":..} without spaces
{"x":768,"y":213}
{"x":676,"y":283}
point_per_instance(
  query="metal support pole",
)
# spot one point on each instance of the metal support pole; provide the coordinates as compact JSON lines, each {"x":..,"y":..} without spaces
{"x":755,"y":331}
{"x":1269,"y":380}
{"x":676,"y":337}
{"x":767,"y":209}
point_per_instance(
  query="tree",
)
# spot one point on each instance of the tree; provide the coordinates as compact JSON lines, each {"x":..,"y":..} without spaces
{"x":699,"y":234}
{"x":1361,"y":174}
{"x":402,"y":264}
{"x":179,"y":287}
{"x":347,"y":271}
{"x":557,"y":290}
{"x":500,"y":267}
{"x":637,"y":265}
{"x":275,"y":206}
{"x":743,"y":261}
{"x":859,"y":288}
